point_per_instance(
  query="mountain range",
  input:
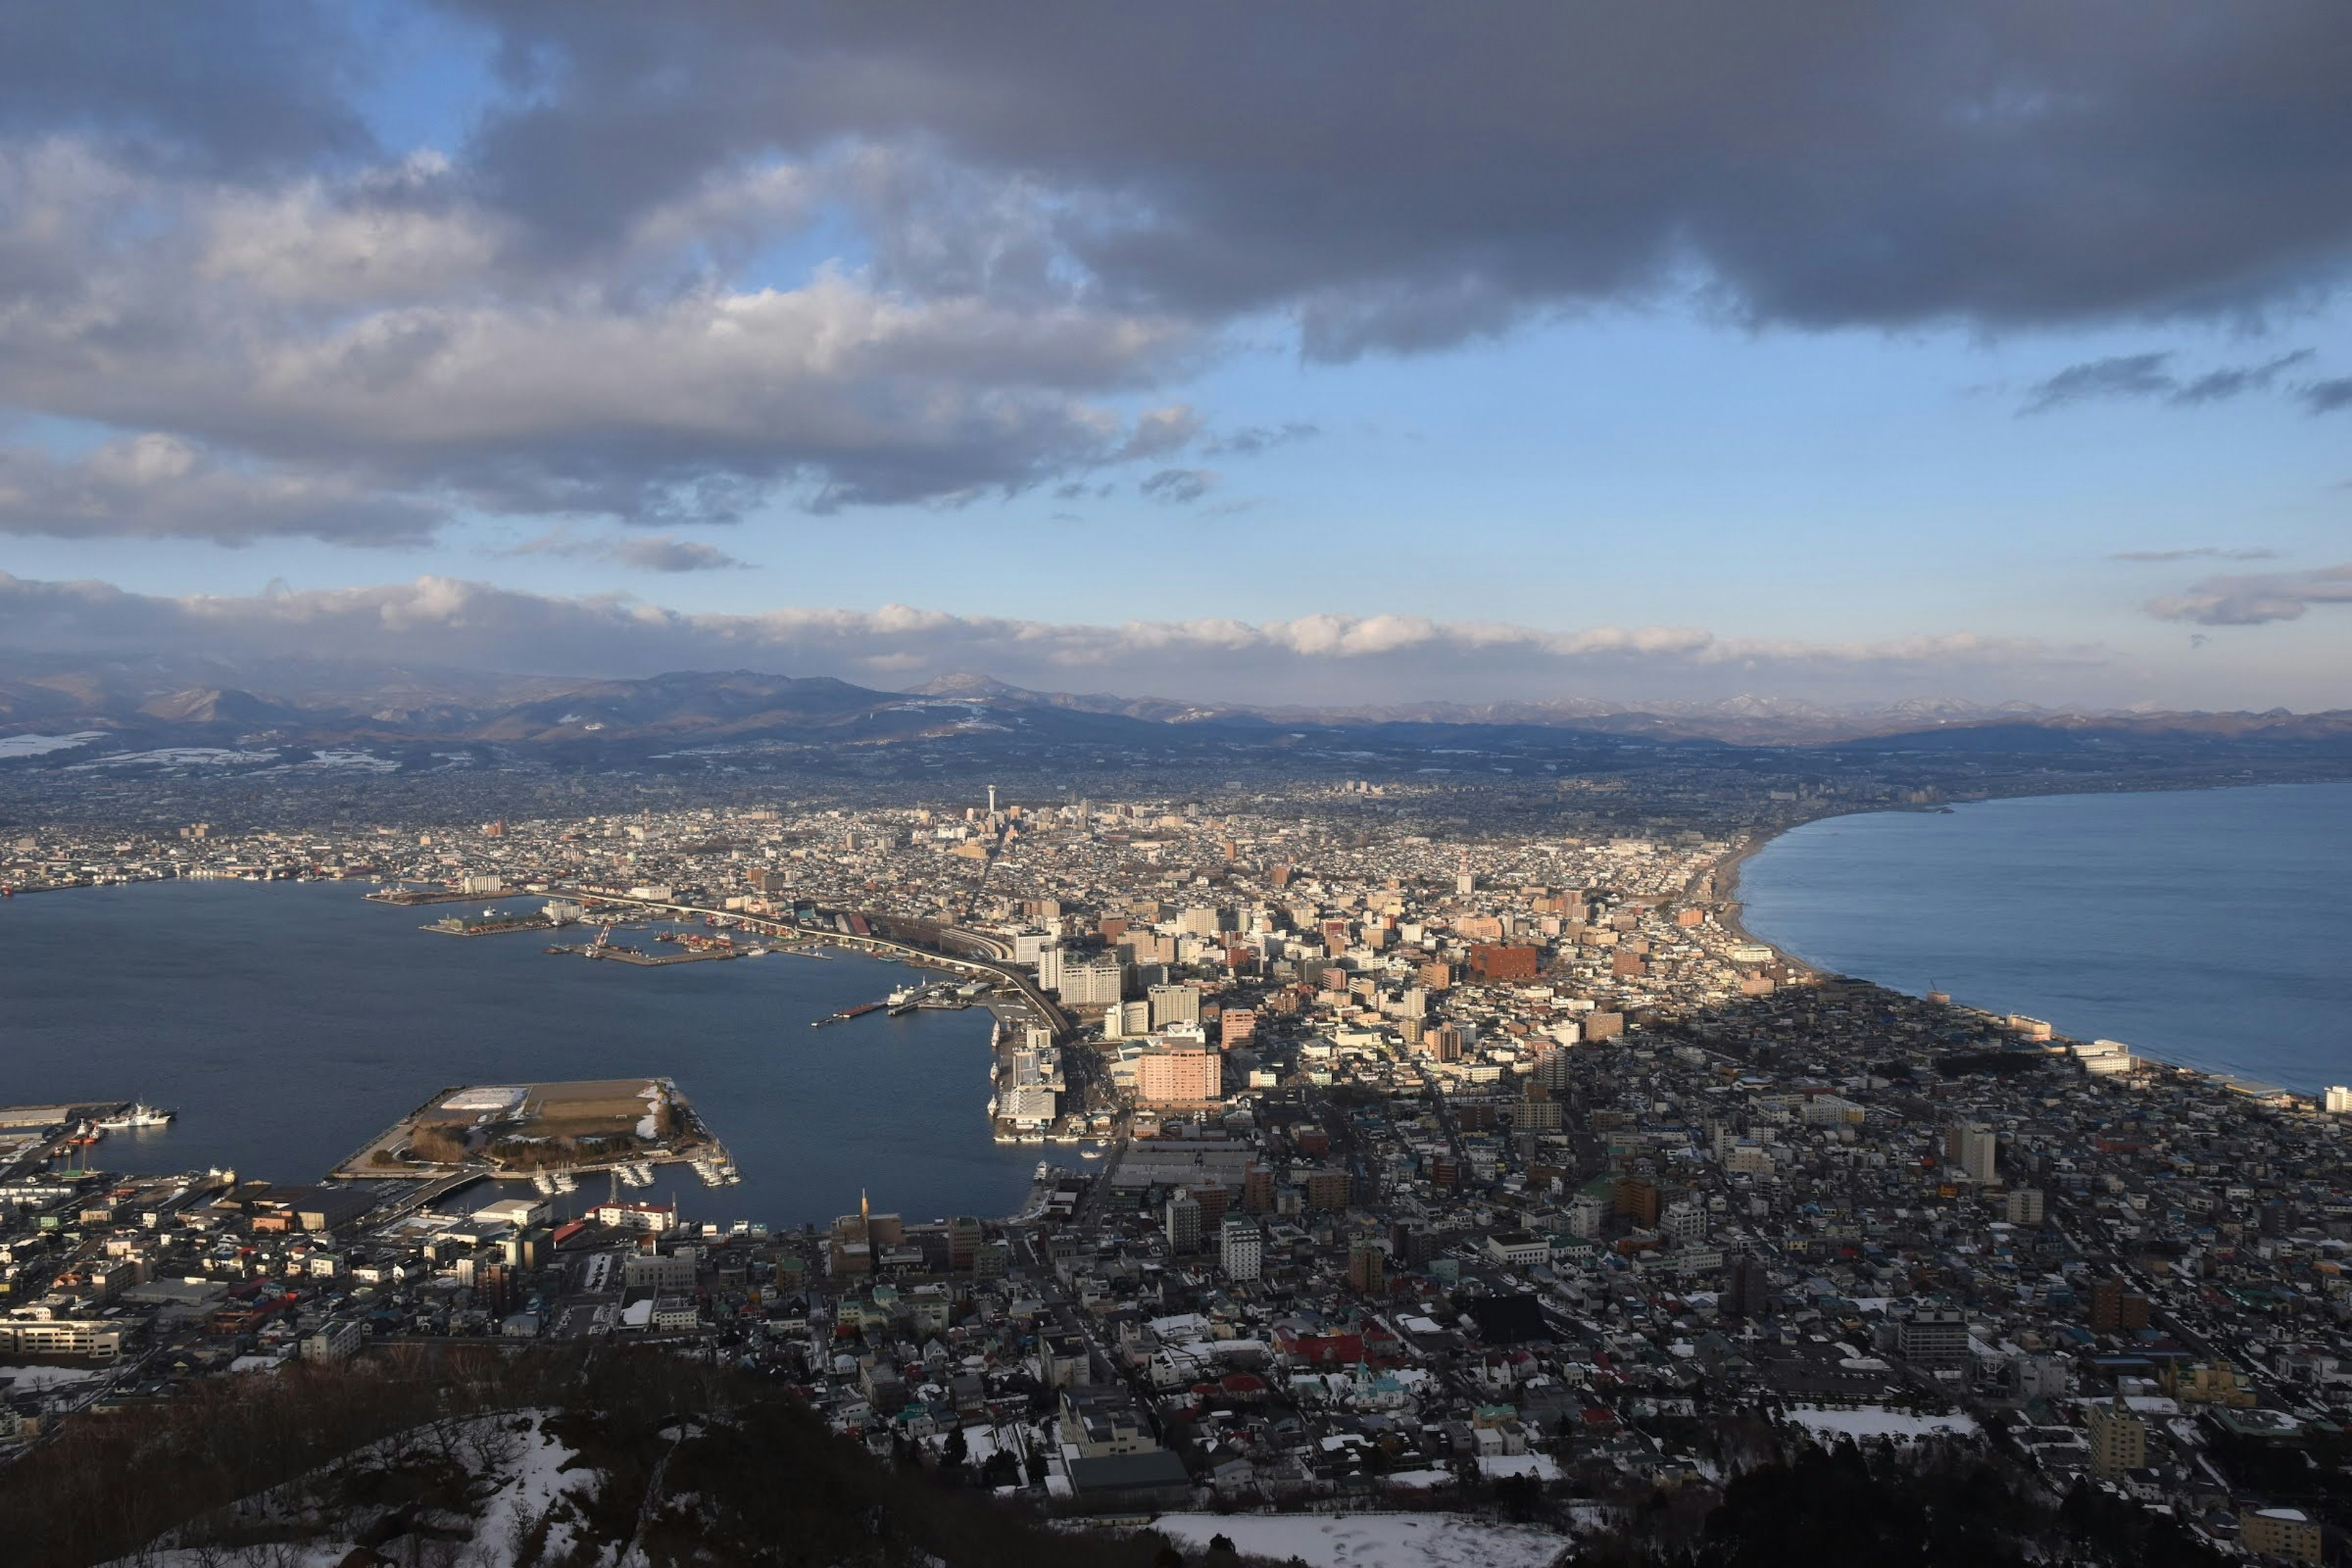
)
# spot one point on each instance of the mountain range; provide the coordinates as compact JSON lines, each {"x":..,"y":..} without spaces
{"x":131,"y":703}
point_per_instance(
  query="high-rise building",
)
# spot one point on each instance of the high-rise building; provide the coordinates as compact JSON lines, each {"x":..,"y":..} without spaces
{"x":1240,"y":1248}
{"x":1326,"y":1189}
{"x":1257,"y":1190}
{"x":1179,"y":1075}
{"x":2023,"y":1207}
{"x":2115,"y":1309}
{"x":1236,"y":1026}
{"x":1183,"y":1223}
{"x":2337,"y":1101}
{"x":2118,"y":1440}
{"x":1175,"y":1004}
{"x":1637,"y":1200}
{"x":1367,"y":1268}
{"x":1972,"y":1147}
{"x":1095,"y":981}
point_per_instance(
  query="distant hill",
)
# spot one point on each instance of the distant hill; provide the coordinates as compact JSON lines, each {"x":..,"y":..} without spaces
{"x":141,"y":703}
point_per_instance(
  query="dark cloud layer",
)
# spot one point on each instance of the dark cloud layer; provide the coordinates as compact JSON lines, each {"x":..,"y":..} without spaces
{"x":1405,"y":175}
{"x":1059,"y":211}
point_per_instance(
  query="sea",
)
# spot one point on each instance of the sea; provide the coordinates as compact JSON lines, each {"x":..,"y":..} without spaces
{"x":2211,"y":929}
{"x":289,"y":1022}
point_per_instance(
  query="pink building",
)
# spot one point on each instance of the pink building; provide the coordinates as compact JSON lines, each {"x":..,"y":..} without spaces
{"x":1188,"y":1075}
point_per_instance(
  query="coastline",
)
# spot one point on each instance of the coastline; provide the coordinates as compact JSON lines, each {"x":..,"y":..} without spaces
{"x":1729,"y":912}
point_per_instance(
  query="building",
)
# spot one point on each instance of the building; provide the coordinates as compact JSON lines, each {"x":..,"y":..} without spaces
{"x":1175,"y":1004}
{"x":1636,"y":1200}
{"x":1095,"y":982}
{"x":2023,"y":1207}
{"x":1518,"y":1249}
{"x":1367,"y":1268}
{"x":1934,"y":1334}
{"x":1183,"y":1223}
{"x":1236,"y":1026}
{"x":675,"y":1314}
{"x":651,"y":1218}
{"x":334,"y":1341}
{"x":2337,"y":1101}
{"x":1973,"y":1148}
{"x":1494,"y":962}
{"x":1326,"y":1189}
{"x":1179,"y":1075}
{"x":1241,"y":1249}
{"x":36,"y":1331}
{"x":2288,"y":1533}
{"x":2115,"y":1309}
{"x":665,"y":1275}
{"x":2118,"y":1440}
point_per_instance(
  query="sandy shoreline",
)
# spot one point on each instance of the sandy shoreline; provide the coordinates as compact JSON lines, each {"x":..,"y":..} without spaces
{"x":1728,"y":910}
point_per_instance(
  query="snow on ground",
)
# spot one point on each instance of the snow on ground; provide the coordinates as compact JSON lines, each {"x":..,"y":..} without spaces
{"x":1372,"y":1540}
{"x":1874,"y":1421}
{"x":538,"y":1478}
{"x":529,"y":1482}
{"x":1542,"y":1467}
{"x":175,"y":757}
{"x":29,"y":1379}
{"x":346,"y":757}
{"x":42,"y":745}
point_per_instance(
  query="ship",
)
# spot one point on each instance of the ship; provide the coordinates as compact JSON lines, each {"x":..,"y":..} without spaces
{"x":140,"y":1115}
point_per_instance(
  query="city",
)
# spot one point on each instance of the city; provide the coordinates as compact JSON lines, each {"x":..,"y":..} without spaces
{"x":1417,"y":1167}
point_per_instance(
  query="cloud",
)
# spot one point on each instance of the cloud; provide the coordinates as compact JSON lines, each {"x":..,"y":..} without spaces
{"x":646,"y":552}
{"x":2256,"y":599}
{"x":1158,"y":432}
{"x":1252,"y":439}
{"x":2201,"y":551}
{"x":1177,"y":487}
{"x":387,"y":327}
{"x":597,"y":303}
{"x":2145,"y":375}
{"x":2328,"y":396}
{"x":156,"y":486}
{"x":1311,"y":658}
{"x":1448,"y":175}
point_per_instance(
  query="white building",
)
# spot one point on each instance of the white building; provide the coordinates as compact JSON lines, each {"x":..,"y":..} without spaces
{"x":1241,"y":1248}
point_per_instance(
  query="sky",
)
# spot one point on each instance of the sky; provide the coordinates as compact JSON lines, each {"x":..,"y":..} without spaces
{"x":1336,"y":353}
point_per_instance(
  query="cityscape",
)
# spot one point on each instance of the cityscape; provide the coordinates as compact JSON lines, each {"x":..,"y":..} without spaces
{"x":1555,"y":784}
{"x":1374,"y":1163}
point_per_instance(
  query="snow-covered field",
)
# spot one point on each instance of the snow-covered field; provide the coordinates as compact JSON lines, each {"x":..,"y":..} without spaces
{"x":177,"y":757}
{"x":27,"y":1379}
{"x":1371,"y":1540}
{"x":1873,"y":1422}
{"x":42,"y":745}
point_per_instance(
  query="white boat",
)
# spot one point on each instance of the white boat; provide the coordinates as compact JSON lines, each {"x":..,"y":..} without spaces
{"x":140,"y":1115}
{"x":544,"y":1184}
{"x":565,"y":1181}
